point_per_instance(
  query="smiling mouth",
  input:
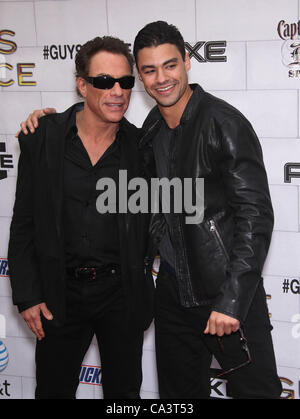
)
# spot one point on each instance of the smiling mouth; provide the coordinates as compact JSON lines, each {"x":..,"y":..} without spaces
{"x":166,"y":89}
{"x":115,"y":105}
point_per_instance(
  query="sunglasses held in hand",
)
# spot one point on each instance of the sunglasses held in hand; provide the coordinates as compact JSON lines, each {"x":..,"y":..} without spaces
{"x":107,"y":82}
{"x":244,"y":349}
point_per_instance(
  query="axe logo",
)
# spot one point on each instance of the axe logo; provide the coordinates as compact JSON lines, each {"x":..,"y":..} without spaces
{"x":6,"y":161}
{"x":291,"y":170}
{"x":211,"y":51}
{"x":219,"y":387}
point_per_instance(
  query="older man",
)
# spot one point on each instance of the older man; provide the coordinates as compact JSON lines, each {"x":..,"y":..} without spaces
{"x":76,"y":272}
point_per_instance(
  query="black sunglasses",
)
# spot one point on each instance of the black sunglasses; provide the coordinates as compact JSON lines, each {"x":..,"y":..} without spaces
{"x":107,"y":82}
{"x":244,"y":347}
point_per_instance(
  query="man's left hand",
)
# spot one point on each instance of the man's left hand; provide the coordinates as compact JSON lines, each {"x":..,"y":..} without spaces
{"x":221,"y":324}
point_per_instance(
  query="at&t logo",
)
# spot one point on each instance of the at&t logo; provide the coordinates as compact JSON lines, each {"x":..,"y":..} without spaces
{"x":3,"y":357}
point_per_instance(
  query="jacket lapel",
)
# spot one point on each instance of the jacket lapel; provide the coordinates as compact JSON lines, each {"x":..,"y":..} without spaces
{"x":55,"y":140}
{"x":129,"y":161}
{"x":55,"y":146}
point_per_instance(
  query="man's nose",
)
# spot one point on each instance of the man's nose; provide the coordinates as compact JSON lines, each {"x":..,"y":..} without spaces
{"x":116,"y":90}
{"x":160,"y":76}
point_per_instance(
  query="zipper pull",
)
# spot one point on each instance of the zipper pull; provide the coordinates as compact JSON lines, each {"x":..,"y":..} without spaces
{"x":212,"y":225}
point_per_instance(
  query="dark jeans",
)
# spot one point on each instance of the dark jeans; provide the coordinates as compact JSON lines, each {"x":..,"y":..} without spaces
{"x":184,"y":353}
{"x":94,"y":307}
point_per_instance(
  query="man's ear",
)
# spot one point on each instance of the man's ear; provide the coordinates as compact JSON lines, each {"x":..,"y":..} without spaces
{"x":187,"y":61}
{"x":138,"y":74}
{"x":81,"y":86}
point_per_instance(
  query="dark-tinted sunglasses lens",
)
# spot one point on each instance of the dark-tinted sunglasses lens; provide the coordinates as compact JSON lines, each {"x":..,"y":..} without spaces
{"x":126,"y":82}
{"x":107,"y":82}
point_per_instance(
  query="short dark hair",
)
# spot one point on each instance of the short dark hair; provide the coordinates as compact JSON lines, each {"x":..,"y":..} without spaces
{"x":92,"y":47}
{"x":158,"y":33}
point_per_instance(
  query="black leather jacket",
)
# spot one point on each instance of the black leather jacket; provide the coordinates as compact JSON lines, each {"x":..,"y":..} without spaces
{"x":218,"y":261}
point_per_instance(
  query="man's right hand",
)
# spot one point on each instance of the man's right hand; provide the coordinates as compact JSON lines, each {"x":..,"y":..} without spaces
{"x":32,"y":317}
{"x":32,"y":121}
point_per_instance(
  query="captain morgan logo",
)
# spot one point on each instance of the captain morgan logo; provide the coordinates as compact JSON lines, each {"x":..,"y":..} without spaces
{"x":290,"y":50}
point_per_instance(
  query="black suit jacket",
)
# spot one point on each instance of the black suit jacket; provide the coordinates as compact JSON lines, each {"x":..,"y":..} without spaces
{"x":36,"y":253}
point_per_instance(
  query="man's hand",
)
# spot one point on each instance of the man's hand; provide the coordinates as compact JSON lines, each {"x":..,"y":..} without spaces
{"x":32,"y":317}
{"x":32,"y":120}
{"x":221,"y":324}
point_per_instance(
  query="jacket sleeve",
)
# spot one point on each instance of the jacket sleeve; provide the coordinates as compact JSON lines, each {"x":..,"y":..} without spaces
{"x":247,"y":193}
{"x":23,"y":267}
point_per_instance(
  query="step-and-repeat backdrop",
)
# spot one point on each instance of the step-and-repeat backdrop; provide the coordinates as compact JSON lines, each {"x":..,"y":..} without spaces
{"x":244,"y":51}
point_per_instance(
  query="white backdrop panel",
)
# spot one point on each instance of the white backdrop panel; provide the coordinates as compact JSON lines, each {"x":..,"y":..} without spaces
{"x":4,"y":228}
{"x":139,"y":13}
{"x":265,"y":110}
{"x":282,"y":306}
{"x":283,"y":258}
{"x":278,"y":152}
{"x":265,"y":69}
{"x":229,"y":75}
{"x":68,"y":22}
{"x":286,"y":346}
{"x":286,"y":207}
{"x":20,"y":18}
{"x":15,"y":107}
{"x":240,"y":20}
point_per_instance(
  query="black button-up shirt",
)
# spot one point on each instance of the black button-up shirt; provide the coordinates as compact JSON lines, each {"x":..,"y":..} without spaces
{"x":91,"y":239}
{"x":161,"y":149}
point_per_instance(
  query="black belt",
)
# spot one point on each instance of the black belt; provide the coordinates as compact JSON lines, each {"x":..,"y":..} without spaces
{"x":92,"y":274}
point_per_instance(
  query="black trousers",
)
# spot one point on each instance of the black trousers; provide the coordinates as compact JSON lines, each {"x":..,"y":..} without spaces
{"x":94,"y":307}
{"x":184,"y":353}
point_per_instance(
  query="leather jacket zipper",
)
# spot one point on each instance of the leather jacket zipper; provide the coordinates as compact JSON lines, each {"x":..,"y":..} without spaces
{"x":147,"y":132}
{"x":213,"y":228}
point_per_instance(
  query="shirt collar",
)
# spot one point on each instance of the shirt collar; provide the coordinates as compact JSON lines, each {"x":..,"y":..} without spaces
{"x":192,"y":103}
{"x":155,"y":118}
{"x":72,"y":131}
{"x":71,"y":128}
